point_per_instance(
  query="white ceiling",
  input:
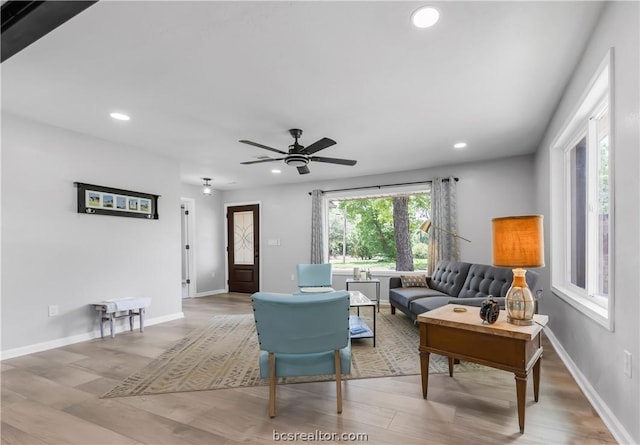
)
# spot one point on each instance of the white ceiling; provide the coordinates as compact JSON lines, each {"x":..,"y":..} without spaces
{"x":196,"y":77}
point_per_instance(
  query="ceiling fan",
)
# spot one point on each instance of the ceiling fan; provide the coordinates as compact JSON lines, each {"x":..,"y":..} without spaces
{"x":298,"y":155}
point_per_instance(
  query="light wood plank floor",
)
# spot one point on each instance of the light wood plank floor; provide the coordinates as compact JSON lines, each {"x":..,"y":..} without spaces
{"x":52,"y":397}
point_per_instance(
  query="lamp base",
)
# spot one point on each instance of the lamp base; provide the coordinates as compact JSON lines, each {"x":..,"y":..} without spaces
{"x":519,"y":301}
{"x":519,"y":322}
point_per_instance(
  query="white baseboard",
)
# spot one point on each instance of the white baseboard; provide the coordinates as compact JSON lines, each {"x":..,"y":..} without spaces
{"x":618,"y":431}
{"x":65,"y":341}
{"x":210,"y":292}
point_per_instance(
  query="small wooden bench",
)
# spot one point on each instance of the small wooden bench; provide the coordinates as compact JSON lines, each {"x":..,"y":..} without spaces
{"x":127,"y":307}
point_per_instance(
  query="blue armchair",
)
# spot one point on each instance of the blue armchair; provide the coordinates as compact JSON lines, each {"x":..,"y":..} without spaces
{"x":315,"y":277}
{"x":302,"y":336}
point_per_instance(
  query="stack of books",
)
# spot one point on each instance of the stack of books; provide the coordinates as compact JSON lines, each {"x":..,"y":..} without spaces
{"x":357,"y":330}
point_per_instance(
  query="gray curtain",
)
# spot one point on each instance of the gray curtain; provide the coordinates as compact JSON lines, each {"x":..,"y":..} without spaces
{"x":444,"y":214}
{"x":317,"y":242}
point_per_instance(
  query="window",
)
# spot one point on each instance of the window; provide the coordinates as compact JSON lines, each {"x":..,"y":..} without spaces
{"x":582,"y":213}
{"x":362,"y":230}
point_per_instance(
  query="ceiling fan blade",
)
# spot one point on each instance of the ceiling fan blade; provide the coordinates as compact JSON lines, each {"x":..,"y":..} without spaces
{"x":255,"y":144}
{"x":333,"y":160}
{"x":262,"y":160}
{"x":317,"y":146}
{"x":303,"y":170}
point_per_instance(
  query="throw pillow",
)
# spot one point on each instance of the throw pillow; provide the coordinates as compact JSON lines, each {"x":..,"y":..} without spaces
{"x":414,"y":280}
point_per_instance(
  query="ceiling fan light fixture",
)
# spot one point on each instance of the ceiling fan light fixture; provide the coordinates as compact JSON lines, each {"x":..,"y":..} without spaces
{"x":296,"y":160}
{"x":425,"y":17}
{"x":206,"y":187}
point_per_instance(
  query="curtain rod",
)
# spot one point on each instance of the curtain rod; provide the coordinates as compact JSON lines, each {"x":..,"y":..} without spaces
{"x":381,"y":186}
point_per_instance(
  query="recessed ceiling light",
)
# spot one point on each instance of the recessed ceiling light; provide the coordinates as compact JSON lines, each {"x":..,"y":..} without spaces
{"x":120,"y":116}
{"x":275,"y":170}
{"x":425,"y":17}
{"x":460,"y":145}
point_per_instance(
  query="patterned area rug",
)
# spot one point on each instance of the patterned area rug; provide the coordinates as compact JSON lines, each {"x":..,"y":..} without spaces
{"x":224,"y":354}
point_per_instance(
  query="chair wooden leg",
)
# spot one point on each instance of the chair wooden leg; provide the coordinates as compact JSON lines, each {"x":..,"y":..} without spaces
{"x":338,"y":379}
{"x":272,"y":384}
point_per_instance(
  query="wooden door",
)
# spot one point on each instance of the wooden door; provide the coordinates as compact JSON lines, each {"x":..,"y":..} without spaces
{"x":243,"y":228}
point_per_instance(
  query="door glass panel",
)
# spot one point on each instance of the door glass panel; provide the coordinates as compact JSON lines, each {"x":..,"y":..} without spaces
{"x":243,"y":237}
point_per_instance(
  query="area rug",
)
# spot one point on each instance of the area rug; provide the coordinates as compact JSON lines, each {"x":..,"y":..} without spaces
{"x":224,"y":354}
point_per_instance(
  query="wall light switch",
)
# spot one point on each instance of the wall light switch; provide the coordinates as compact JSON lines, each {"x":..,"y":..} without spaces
{"x":53,"y":310}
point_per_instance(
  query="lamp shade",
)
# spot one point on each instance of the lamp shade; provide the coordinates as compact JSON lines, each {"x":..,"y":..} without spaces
{"x":518,"y":241}
{"x":425,"y":226}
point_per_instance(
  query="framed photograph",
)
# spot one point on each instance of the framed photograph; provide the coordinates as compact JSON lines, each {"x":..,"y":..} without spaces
{"x":100,"y":200}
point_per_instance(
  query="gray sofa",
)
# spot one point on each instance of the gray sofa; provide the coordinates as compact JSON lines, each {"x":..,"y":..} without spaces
{"x":454,"y":282}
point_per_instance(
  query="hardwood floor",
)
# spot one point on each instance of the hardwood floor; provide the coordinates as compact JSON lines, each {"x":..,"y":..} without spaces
{"x":52,"y":397}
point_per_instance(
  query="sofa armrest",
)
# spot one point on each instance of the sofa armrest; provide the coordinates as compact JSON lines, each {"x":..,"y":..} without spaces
{"x":395,"y":282}
{"x":475,"y":301}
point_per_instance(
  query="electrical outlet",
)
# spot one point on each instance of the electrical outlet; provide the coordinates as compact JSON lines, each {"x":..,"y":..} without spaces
{"x":53,"y":310}
{"x":293,"y":278}
{"x":627,"y":363}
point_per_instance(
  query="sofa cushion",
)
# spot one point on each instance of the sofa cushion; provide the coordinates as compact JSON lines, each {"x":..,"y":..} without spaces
{"x":428,"y":304}
{"x":449,"y":276}
{"x":532,"y":278}
{"x":484,"y":280}
{"x":414,"y":280}
{"x":402,"y":296}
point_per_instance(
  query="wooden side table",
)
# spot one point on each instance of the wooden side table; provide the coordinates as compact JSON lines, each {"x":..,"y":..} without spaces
{"x":464,"y":336}
{"x":357,"y":299}
{"x":375,"y":281}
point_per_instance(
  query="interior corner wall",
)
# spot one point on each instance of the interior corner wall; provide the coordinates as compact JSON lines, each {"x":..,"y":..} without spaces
{"x":208,"y":241}
{"x":53,"y":255}
{"x":596,"y":351}
{"x":486,"y":190}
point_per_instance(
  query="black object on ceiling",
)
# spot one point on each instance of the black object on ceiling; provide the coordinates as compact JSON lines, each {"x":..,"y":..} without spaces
{"x":25,"y":22}
{"x":299,"y":156}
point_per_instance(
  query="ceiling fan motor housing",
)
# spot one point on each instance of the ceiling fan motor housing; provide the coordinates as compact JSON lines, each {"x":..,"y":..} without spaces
{"x":295,"y":160}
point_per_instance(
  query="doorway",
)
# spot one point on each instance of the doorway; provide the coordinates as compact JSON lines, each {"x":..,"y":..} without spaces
{"x":243,"y":255}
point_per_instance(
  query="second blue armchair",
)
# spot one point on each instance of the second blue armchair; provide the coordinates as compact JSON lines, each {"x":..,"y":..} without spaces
{"x":315,"y":277}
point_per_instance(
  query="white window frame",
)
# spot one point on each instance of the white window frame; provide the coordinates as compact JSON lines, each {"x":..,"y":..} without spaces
{"x":581,"y":123}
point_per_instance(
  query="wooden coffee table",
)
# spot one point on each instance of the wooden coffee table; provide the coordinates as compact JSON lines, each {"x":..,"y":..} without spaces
{"x":502,"y":345}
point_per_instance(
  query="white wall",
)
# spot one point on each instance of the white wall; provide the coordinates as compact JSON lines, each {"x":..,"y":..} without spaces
{"x":595,"y":351}
{"x":55,"y":256}
{"x":485,"y":190}
{"x":208,"y":241}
